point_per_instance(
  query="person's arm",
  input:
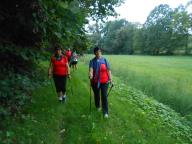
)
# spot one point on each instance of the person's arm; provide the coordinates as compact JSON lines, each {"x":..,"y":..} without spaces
{"x":90,"y":73}
{"x":109,"y":72}
{"x":68,"y":69}
{"x":110,"y":76}
{"x":91,"y":70}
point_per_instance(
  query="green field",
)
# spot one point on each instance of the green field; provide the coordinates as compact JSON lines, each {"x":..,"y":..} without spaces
{"x":134,"y":118}
{"x":166,"y":78}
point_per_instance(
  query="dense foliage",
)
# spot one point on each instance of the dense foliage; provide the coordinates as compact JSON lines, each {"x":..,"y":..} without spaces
{"x":17,"y":55}
{"x":166,"y":31}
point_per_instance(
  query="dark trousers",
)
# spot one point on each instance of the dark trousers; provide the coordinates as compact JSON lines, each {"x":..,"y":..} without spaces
{"x":60,"y":83}
{"x":103,"y":90}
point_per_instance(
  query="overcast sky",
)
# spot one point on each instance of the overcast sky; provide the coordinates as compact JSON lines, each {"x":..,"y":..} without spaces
{"x":138,"y":10}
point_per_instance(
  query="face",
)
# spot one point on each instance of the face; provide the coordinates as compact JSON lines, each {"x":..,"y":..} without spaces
{"x":98,"y":53}
{"x":58,"y":52}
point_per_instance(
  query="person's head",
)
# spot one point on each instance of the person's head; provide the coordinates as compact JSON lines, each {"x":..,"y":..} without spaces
{"x":58,"y":50}
{"x":97,"y":51}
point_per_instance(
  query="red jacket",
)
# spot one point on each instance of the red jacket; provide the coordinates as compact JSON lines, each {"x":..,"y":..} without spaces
{"x":68,"y":54}
{"x":60,"y":66}
{"x":104,"y":77}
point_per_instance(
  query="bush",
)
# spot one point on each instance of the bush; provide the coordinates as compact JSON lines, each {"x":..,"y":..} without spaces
{"x":16,"y":90}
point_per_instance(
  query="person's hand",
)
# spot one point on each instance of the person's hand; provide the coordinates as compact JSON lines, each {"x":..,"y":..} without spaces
{"x":111,"y":82}
{"x":90,"y":76}
{"x":69,"y":76}
{"x":49,"y":76}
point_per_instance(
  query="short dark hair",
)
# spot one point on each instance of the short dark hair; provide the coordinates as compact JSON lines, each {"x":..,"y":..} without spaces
{"x":57,"y":47}
{"x":96,"y":49}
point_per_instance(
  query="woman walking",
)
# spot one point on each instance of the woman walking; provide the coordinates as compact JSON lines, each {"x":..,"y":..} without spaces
{"x":59,"y":69}
{"x":100,"y":77}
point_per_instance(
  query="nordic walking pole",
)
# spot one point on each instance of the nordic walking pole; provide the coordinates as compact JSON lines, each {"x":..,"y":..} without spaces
{"x":110,"y":89}
{"x":71,"y":86}
{"x":90,"y":96}
{"x":51,"y":81}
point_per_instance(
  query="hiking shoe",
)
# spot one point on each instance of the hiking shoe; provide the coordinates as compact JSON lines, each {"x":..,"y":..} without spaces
{"x":64,"y":98}
{"x":60,"y":99}
{"x":99,"y":109}
{"x":106,"y":116}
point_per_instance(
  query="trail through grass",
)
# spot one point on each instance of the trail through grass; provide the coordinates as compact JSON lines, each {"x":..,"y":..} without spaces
{"x":134,"y":118}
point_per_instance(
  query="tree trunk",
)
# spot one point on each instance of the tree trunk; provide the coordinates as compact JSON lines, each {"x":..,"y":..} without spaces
{"x":186,"y":45}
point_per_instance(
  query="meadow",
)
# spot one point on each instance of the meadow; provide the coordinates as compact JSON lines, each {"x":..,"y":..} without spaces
{"x":134,"y":118}
{"x":166,"y":78}
{"x":142,"y":106}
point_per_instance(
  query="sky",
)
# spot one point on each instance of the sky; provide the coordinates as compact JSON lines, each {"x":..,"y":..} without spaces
{"x":138,"y":10}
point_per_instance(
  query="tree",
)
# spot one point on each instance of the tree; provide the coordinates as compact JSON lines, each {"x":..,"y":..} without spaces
{"x":118,"y":37}
{"x":139,"y":40}
{"x":64,"y":20}
{"x":159,"y":31}
{"x":110,"y":42}
{"x":95,"y":34}
{"x":124,"y":37}
{"x":182,"y":24}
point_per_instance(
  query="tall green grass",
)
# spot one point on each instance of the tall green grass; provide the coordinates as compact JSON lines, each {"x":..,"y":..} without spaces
{"x":166,"y":78}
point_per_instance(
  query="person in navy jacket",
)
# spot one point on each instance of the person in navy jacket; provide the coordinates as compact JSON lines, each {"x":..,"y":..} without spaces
{"x":100,"y":77}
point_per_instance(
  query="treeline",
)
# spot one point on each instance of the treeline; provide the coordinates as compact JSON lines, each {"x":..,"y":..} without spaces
{"x":28,"y":29}
{"x":166,"y":31}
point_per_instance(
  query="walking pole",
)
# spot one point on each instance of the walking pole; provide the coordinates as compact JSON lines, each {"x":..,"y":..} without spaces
{"x":71,"y":86}
{"x":51,"y":81}
{"x":92,"y":123}
{"x":110,"y":90}
{"x":90,"y":97}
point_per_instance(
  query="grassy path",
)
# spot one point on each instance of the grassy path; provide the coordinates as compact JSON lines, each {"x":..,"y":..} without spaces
{"x":134,"y":118}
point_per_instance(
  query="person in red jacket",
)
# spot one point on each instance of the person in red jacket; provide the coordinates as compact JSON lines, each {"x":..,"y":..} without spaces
{"x":100,"y":77}
{"x":59,"y":69}
{"x":68,"y":54}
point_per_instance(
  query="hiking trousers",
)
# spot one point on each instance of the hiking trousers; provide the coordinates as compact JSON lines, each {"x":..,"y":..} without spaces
{"x":60,"y":83}
{"x":101,"y":93}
